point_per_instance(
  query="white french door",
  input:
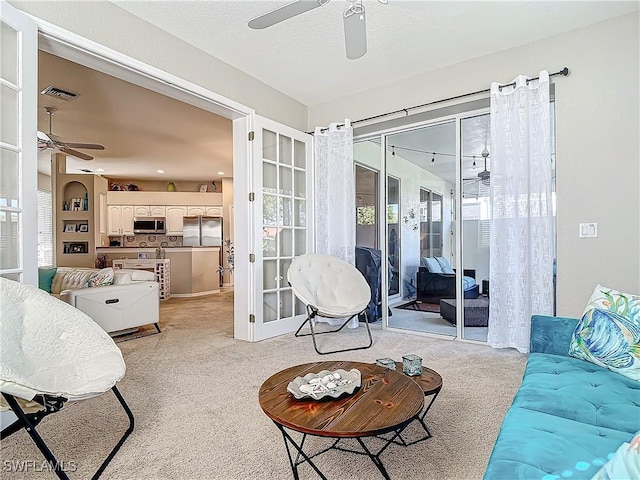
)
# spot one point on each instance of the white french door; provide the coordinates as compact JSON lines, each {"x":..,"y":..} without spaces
{"x":283,"y":223}
{"x":18,"y":152}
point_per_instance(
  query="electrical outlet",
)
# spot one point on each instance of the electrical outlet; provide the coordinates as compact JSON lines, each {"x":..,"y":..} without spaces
{"x":588,"y":230}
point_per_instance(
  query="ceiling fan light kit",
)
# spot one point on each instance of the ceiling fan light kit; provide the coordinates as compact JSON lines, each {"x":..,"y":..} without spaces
{"x":355,"y":31}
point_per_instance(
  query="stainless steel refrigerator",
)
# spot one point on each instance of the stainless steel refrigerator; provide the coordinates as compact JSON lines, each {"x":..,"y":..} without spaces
{"x":202,"y":231}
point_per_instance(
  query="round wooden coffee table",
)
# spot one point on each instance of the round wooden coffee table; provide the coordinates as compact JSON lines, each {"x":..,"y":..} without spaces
{"x":386,"y":402}
{"x":431,"y":383}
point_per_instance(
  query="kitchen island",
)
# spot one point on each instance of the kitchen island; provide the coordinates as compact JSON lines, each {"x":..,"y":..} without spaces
{"x":194,"y":270}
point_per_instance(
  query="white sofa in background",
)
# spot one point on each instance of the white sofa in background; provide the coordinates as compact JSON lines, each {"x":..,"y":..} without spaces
{"x":131,"y":301}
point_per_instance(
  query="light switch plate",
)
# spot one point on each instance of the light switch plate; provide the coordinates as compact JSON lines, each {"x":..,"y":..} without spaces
{"x":588,"y":230}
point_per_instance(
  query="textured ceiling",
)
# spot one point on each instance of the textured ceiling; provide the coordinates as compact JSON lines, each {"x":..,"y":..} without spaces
{"x":304,"y":57}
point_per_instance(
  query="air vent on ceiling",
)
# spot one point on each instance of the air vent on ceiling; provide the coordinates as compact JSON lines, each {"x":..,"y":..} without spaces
{"x":58,"y":93}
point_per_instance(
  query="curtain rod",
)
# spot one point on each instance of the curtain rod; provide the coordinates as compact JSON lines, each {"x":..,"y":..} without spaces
{"x":564,"y":72}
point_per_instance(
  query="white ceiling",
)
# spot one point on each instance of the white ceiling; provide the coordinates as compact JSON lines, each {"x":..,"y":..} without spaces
{"x":304,"y":57}
{"x":142,"y":131}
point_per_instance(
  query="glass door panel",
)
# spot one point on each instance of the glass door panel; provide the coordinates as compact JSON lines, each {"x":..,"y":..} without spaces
{"x":421,"y":170}
{"x":476,"y":212}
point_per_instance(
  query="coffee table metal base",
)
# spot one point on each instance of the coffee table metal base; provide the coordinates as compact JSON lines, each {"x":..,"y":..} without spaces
{"x":420,"y":419}
{"x":302,"y":457}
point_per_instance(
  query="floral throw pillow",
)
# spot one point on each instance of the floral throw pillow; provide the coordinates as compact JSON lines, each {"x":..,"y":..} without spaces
{"x":609,"y":340}
{"x":625,"y":304}
{"x":101,"y":278}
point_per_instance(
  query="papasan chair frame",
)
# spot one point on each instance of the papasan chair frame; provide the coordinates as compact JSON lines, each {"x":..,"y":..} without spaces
{"x":331,"y":288}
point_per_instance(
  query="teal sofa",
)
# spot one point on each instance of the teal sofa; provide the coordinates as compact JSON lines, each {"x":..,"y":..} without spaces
{"x":568,"y":417}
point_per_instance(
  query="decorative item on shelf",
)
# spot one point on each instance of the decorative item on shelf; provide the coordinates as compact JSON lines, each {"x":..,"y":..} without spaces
{"x":411,"y":365}
{"x":386,"y":363}
{"x":143,"y":256}
{"x":203,"y":188}
{"x":70,"y":228}
{"x":171,"y":187}
{"x":65,"y":206}
{"x":101,"y":260}
{"x":115,"y":187}
{"x":83,"y":227}
{"x":213,"y":186}
{"x":228,"y":245}
{"x":76,"y":204}
{"x":85,"y":204}
{"x":131,"y":187}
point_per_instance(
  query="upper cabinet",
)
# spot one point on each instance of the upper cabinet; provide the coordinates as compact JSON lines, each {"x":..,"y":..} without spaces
{"x":120,"y":219}
{"x":174,"y":216}
{"x":149,"y":210}
{"x":213,"y":211}
{"x":196,"y":210}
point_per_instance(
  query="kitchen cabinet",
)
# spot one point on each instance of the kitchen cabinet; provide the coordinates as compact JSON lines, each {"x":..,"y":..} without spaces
{"x":200,"y":210}
{"x":149,"y":210}
{"x":120,"y":219}
{"x":213,"y":211}
{"x":174,"y":216}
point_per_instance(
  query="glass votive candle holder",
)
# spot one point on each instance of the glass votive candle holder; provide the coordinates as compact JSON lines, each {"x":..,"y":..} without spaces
{"x":387,"y":363}
{"x":411,"y":365}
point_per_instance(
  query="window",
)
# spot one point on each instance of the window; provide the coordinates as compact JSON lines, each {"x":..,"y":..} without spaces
{"x":366,"y":207}
{"x":430,"y":223}
{"x":45,"y":229}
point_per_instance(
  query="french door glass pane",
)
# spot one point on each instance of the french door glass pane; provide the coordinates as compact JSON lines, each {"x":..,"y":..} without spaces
{"x":300,"y":183}
{"x":286,"y":303}
{"x":300,"y":217}
{"x":9,"y":178}
{"x":269,"y":274}
{"x":9,"y":115}
{"x":9,"y":57}
{"x":9,"y":240}
{"x":300,"y":156}
{"x":286,"y":187}
{"x":270,"y":306}
{"x":285,"y":150}
{"x":300,"y":241}
{"x":285,"y":240}
{"x":269,"y":178}
{"x":269,"y":145}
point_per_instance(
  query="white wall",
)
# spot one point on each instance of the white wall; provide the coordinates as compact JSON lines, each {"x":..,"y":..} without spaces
{"x":44,"y":182}
{"x":598,"y":167}
{"x":111,"y":26}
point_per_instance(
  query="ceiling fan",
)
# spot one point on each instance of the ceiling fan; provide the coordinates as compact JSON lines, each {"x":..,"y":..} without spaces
{"x":485,"y":175}
{"x":355,"y":33}
{"x":53,"y":142}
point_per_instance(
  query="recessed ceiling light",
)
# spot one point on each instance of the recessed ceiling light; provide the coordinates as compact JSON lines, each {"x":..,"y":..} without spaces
{"x":160,"y":171}
{"x":221,"y":173}
{"x":100,"y":170}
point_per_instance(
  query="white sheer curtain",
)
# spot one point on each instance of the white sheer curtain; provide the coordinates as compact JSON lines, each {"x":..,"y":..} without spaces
{"x":335,"y":207}
{"x":521,"y":258}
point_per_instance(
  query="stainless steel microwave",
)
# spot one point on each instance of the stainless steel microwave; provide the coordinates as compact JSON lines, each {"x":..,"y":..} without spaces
{"x":149,"y":225}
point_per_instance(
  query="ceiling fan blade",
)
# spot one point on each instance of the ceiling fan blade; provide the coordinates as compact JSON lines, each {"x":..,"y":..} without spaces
{"x":43,"y":137}
{"x":88,"y":146}
{"x":355,"y":35}
{"x":75,"y":153}
{"x":283,"y":13}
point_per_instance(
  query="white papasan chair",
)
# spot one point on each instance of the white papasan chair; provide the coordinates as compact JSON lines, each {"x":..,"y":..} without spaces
{"x":52,"y":353}
{"x":331,"y":288}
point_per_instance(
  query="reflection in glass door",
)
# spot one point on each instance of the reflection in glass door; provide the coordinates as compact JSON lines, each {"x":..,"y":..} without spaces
{"x":366,"y":207}
{"x":394,"y":235}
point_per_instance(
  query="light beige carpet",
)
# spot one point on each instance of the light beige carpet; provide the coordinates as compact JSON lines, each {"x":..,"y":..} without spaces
{"x":193,"y":390}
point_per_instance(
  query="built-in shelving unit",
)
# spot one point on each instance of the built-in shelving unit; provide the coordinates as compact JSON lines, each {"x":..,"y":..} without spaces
{"x":77,"y":219}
